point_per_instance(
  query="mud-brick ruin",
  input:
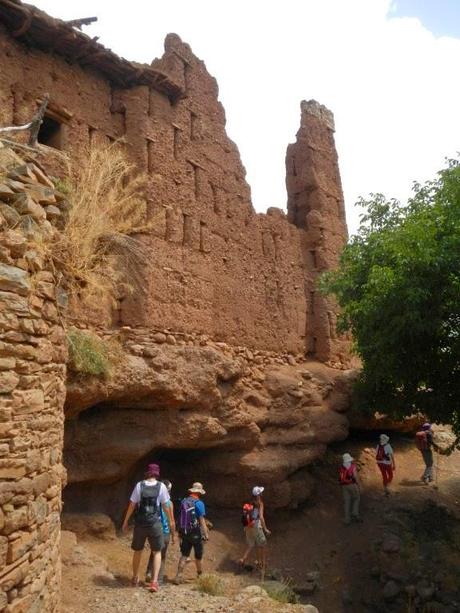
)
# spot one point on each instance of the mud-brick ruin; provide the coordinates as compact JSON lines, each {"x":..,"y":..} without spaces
{"x":232,"y":367}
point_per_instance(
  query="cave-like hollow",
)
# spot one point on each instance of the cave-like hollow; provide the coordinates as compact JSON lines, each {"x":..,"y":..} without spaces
{"x":104,"y":453}
{"x":180,"y":466}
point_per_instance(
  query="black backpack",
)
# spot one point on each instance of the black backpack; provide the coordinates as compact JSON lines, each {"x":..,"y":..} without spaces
{"x":148,"y":512}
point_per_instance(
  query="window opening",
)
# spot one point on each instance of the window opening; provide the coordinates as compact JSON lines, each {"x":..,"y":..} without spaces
{"x":51,"y":133}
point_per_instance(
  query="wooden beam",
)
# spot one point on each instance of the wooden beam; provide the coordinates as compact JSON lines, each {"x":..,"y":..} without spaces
{"x":78,"y":23}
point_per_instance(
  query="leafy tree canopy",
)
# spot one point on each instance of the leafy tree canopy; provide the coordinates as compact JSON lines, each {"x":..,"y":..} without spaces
{"x":398,"y":286}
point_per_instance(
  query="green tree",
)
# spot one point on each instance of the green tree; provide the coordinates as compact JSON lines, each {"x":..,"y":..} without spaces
{"x":398,"y":286}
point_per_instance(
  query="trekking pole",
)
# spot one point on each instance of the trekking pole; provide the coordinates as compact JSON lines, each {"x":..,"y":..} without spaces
{"x":438,"y":460}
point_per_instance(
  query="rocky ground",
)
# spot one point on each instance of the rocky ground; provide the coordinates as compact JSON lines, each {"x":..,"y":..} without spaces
{"x":404,"y":557}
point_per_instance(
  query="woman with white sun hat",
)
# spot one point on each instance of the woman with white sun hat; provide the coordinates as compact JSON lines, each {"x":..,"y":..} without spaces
{"x":255,"y":529}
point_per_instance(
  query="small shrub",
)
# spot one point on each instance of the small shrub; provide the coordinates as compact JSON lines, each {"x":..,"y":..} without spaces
{"x":88,"y":354}
{"x":281,"y":591}
{"x":62,"y":185}
{"x":210,"y":584}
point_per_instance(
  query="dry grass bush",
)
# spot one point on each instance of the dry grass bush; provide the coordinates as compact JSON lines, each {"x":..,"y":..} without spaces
{"x":91,"y":355}
{"x":106,"y":207}
{"x":281,"y":591}
{"x":210,"y":584}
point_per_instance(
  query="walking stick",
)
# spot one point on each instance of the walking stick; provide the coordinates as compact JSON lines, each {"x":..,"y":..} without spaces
{"x":436,"y":477}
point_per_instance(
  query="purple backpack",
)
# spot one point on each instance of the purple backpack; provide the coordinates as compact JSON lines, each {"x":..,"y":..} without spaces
{"x":188,"y":521}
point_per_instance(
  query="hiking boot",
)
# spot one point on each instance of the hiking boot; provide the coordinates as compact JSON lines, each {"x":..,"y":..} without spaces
{"x":346,"y":522}
{"x":357,"y":519}
{"x":153,"y":587}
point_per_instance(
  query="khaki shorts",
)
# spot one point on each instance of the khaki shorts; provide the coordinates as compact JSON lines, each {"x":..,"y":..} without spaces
{"x":255,"y":536}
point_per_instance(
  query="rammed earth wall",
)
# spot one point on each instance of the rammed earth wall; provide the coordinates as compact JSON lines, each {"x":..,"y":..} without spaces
{"x":32,"y":393}
{"x":215,"y":266}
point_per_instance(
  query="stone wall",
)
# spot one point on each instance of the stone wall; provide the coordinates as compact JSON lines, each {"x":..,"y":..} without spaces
{"x":214,"y":265}
{"x":32,"y":392}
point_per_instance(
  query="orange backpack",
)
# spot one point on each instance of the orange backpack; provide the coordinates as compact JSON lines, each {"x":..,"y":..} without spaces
{"x":247,"y":517}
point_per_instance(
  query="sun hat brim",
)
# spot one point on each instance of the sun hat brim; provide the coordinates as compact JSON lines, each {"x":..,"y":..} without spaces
{"x":197,"y":490}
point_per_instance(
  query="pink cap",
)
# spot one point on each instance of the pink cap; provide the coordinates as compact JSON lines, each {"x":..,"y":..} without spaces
{"x":153,"y":470}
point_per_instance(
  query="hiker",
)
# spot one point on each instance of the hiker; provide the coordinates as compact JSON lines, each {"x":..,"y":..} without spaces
{"x":385,"y":461}
{"x":167,"y":536}
{"x":424,"y":442}
{"x":193,"y":529}
{"x":349,"y":481}
{"x":255,"y":529}
{"x":146,"y":499}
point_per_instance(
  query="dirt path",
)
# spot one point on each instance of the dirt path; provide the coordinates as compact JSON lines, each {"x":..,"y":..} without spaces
{"x":309,"y":540}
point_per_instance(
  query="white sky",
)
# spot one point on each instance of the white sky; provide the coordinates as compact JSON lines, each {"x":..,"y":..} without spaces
{"x":392,"y":85}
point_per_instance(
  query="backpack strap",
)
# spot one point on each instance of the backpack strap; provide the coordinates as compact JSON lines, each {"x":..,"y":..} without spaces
{"x":157,"y":487}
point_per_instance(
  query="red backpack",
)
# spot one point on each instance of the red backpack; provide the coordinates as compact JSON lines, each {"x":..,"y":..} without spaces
{"x":421,"y":440}
{"x":247,"y":517}
{"x":346,"y":475}
{"x":381,"y":455}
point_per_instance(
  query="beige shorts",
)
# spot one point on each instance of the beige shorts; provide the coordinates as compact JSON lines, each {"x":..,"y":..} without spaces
{"x":255,"y":537}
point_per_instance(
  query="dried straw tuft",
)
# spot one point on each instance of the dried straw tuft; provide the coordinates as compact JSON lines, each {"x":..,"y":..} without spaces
{"x":96,"y":250}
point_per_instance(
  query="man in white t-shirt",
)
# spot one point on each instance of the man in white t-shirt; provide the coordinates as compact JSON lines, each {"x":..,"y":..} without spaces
{"x":146,"y":499}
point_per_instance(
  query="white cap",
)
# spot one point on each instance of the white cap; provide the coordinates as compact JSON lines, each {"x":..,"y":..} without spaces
{"x":257,"y":490}
{"x":347,"y":457}
{"x":384,"y":439}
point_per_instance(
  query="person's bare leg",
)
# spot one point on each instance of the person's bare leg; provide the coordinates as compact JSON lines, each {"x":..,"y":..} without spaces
{"x":180,"y":569}
{"x":263,"y":562}
{"x":199,"y":566}
{"x":149,"y":571}
{"x":163,"y":560}
{"x":156,"y":565}
{"x":136,"y":563}
{"x":246,"y":555}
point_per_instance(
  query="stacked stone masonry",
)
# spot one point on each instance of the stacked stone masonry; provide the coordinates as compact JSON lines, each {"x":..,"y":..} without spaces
{"x":216,"y":266}
{"x":32,"y":393}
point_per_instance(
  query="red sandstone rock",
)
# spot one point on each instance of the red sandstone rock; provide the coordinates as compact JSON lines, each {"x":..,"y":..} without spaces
{"x":195,"y":400}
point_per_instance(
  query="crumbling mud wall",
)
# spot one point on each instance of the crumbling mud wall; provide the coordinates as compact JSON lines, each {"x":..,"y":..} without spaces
{"x":315,"y":206}
{"x":214,"y":265}
{"x":32,"y":393}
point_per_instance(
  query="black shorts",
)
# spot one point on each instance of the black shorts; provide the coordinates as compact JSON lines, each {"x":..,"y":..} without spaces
{"x":189,"y":541}
{"x":154,"y":535}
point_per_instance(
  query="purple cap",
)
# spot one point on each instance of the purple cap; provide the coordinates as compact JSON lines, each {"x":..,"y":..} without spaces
{"x":426,"y":426}
{"x":153,"y":470}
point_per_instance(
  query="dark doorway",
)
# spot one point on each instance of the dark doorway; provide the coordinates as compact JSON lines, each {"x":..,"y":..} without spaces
{"x":51,"y":133}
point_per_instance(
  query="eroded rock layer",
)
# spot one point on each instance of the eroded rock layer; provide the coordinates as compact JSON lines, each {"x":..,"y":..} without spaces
{"x":205,"y":410}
